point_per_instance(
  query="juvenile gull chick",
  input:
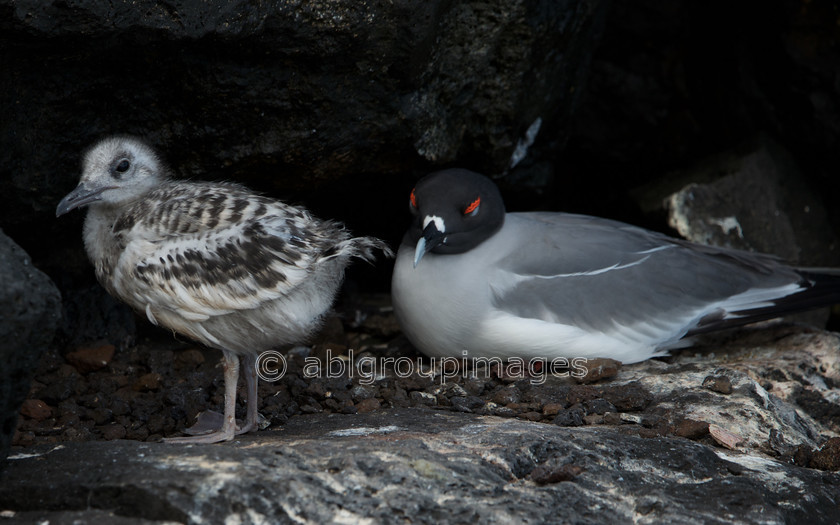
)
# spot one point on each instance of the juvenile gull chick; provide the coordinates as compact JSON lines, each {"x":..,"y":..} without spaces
{"x":213,"y":261}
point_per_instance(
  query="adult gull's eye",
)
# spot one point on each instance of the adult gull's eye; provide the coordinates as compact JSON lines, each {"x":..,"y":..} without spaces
{"x":472,"y":209}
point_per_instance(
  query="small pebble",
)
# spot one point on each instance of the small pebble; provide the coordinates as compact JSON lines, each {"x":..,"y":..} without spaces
{"x":570,"y":417}
{"x":551,"y":409}
{"x":802,"y":456}
{"x":691,"y":429}
{"x":506,"y":395}
{"x":147,"y":382}
{"x":593,"y":419}
{"x":422,"y":398}
{"x":23,"y":439}
{"x":35,"y":409}
{"x":189,"y":358}
{"x":598,"y":406}
{"x":828,"y":456}
{"x":475,"y":385}
{"x":89,"y":358}
{"x":532,"y":416}
{"x":724,"y":437}
{"x":368,"y":405}
{"x":460,"y":404}
{"x":141,"y":434}
{"x":719,"y":384}
{"x":360,"y":393}
{"x":311,"y":408}
{"x":612,"y":418}
{"x":628,"y":398}
{"x":331,"y":404}
{"x":598,"y":369}
{"x":544,"y":474}
{"x":631,"y":418}
{"x":504,"y":412}
{"x":100,"y":416}
{"x":113,"y":431}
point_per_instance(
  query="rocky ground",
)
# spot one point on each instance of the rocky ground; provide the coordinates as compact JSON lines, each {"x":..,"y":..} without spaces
{"x":743,"y":430}
{"x":415,"y":466}
{"x":156,"y":387}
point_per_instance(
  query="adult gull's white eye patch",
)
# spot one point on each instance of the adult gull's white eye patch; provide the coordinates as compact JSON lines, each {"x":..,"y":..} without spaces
{"x":439,"y":224}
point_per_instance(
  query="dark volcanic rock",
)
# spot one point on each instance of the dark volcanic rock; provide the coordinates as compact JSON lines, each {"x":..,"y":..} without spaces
{"x":416,"y":466}
{"x":282,"y":95}
{"x":30,"y":308}
{"x":753,"y":198}
{"x":675,"y":81}
{"x":90,"y":315}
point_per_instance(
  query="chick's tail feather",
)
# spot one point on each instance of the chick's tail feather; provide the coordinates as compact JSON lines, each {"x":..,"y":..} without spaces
{"x":361,"y":247}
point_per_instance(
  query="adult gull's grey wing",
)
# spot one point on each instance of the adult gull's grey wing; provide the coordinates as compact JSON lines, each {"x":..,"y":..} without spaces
{"x":631,"y":283}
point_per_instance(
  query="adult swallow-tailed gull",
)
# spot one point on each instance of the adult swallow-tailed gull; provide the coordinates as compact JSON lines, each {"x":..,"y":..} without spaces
{"x":473,"y":281}
{"x":229,"y":268}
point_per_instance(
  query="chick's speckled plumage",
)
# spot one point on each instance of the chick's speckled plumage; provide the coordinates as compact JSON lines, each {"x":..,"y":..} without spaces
{"x":229,"y":268}
{"x":216,"y":262}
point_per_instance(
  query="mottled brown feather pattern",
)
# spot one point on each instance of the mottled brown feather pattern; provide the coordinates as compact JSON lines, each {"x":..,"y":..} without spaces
{"x":223,"y":236}
{"x":212,"y":261}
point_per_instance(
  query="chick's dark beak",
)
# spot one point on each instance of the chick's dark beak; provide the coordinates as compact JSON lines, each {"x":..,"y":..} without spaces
{"x":81,"y":196}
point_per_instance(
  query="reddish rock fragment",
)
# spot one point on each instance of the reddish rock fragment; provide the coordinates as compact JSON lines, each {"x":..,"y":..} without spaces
{"x":368,"y":405}
{"x":35,"y":409}
{"x":147,"y":382}
{"x":89,"y":358}
{"x":719,"y":384}
{"x":598,"y":369}
{"x":724,"y":437}
{"x":545,"y":474}
{"x":691,"y":428}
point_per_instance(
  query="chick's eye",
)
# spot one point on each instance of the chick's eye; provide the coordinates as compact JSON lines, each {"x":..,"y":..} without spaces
{"x":472,"y":209}
{"x":413,"y":199}
{"x":123,"y":166}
